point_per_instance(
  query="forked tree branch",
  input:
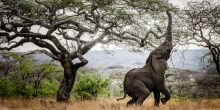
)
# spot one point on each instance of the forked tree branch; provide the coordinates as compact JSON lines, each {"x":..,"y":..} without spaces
{"x":44,"y":52}
{"x":19,"y":43}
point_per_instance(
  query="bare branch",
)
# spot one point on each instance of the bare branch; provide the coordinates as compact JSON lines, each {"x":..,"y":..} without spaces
{"x":21,"y":42}
{"x":78,"y":41}
{"x":123,"y":35}
{"x":33,"y":22}
{"x":77,"y":24}
{"x":67,"y":37}
{"x":43,"y":51}
{"x":83,"y":60}
{"x":45,"y":44}
{"x":86,"y":47}
{"x":58,"y":44}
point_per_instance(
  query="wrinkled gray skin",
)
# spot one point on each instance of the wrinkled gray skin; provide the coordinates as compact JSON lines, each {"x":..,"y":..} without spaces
{"x":140,"y":82}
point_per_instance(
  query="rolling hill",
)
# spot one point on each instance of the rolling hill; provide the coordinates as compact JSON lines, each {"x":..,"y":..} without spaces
{"x":124,"y":59}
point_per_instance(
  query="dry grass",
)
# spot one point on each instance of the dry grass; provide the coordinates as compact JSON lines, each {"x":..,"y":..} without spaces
{"x":107,"y":104}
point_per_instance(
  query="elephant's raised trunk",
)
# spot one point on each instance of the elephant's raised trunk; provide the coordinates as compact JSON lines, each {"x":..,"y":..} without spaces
{"x":165,"y":48}
{"x":167,"y":43}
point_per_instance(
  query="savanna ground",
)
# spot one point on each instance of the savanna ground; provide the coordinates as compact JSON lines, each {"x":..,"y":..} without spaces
{"x":107,"y":104}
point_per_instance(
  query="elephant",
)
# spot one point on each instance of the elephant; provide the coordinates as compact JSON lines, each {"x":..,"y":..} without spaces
{"x":140,"y":82}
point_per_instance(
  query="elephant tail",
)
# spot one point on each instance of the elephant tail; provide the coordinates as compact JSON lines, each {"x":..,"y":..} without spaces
{"x":122,"y":97}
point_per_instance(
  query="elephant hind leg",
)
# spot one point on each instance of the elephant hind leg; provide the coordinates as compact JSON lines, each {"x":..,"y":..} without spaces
{"x":132,"y":101}
{"x":142,"y":96}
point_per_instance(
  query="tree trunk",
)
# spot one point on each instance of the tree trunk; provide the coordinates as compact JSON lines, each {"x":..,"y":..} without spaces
{"x":216,"y":58}
{"x":67,"y":83}
{"x":217,"y":64}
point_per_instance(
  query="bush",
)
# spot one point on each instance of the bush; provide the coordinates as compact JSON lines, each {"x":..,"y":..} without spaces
{"x":90,"y":85}
{"x":23,"y":89}
{"x":6,"y":88}
{"x":49,"y":88}
{"x":9,"y":88}
{"x":29,"y":79}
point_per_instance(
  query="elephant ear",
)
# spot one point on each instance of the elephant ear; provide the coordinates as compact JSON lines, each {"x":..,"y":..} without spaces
{"x":159,"y":64}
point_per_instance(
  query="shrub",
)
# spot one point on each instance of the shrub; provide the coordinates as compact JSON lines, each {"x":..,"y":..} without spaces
{"x":10,"y":88}
{"x":90,"y":85}
{"x":29,"y":79}
{"x":49,"y":88}
{"x":6,"y":87}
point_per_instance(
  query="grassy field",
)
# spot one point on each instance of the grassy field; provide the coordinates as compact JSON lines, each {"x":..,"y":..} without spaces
{"x":107,"y":104}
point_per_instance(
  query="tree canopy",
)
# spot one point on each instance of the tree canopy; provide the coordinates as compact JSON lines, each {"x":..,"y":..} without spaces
{"x":69,"y":23}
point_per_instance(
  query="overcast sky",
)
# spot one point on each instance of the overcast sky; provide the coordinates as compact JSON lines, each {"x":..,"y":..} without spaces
{"x":180,"y":3}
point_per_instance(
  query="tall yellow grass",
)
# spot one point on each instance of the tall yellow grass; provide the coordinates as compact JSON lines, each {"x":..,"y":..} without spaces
{"x":107,"y":104}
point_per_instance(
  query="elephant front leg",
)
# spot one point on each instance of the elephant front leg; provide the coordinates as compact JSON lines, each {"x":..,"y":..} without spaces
{"x":156,"y":98}
{"x":166,"y":92}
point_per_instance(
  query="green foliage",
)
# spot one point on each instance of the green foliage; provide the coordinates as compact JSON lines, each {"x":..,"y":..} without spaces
{"x":58,"y":4}
{"x":101,"y":3}
{"x":29,"y":79}
{"x":6,"y":87}
{"x":23,"y":89}
{"x":49,"y":88}
{"x":90,"y":85}
{"x":153,"y":5}
{"x":182,"y":98}
{"x":9,"y":88}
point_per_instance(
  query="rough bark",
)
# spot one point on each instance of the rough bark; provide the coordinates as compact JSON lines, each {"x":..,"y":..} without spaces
{"x":215,"y":52}
{"x":67,"y":83}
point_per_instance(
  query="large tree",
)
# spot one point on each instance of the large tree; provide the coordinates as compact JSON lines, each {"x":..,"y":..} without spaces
{"x":65,"y":30}
{"x":202,"y":20}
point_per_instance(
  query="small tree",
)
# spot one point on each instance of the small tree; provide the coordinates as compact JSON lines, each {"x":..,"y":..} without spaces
{"x":6,"y":64}
{"x":202,"y":20}
{"x":90,"y":85}
{"x":208,"y":85}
